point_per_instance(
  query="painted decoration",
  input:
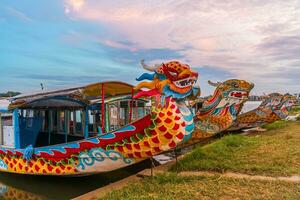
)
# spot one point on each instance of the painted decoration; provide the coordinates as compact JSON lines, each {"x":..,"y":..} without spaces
{"x":219,"y":111}
{"x":275,"y":107}
{"x":170,"y":123}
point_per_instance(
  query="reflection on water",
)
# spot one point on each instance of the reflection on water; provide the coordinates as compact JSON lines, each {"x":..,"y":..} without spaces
{"x":14,"y":186}
{"x":11,"y":193}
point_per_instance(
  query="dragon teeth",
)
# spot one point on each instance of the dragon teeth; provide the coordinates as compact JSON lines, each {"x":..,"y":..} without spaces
{"x":185,"y":82}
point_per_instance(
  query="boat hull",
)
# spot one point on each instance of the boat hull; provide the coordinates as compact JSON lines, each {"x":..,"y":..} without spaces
{"x":84,"y":157}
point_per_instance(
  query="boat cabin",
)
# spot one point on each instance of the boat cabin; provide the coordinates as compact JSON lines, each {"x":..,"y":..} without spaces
{"x":6,"y":124}
{"x":61,"y":116}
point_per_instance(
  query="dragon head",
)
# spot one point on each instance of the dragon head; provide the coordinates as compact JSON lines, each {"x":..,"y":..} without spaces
{"x":171,"y":79}
{"x":272,"y":101}
{"x":231,"y":92}
{"x":288,"y":101}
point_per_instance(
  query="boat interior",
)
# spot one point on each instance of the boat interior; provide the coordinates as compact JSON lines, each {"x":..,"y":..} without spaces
{"x":61,"y":116}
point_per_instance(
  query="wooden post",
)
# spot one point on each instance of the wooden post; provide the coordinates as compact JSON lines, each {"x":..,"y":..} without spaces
{"x":176,"y":165}
{"x":94,"y":123}
{"x":103,"y":108}
{"x":131,"y":105}
{"x":58,"y":120}
{"x":67,"y":124}
{"x":86,"y":127}
{"x":16,"y":128}
{"x":50,"y":126}
{"x":152,"y":165}
{"x":74,"y":122}
{"x":1,"y":131}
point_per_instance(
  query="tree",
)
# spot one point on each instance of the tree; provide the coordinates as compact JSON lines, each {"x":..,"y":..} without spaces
{"x":9,"y":94}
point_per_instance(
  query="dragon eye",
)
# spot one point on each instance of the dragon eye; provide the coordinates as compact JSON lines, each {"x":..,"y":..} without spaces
{"x":173,"y":73}
{"x":235,"y":85}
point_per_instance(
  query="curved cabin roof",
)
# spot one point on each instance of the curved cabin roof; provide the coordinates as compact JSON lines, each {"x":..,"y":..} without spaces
{"x":71,"y":97}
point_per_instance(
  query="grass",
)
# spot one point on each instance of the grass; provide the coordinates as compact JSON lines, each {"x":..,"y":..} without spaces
{"x":170,"y":186}
{"x":275,"y":152}
{"x":276,"y":125}
{"x":281,"y":124}
{"x":295,"y":110}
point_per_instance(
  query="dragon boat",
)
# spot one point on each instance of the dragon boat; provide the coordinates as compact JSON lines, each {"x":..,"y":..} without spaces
{"x":218,"y":112}
{"x":275,"y":107}
{"x":94,"y":128}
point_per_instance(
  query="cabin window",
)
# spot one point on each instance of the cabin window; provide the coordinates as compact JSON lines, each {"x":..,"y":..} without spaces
{"x":79,"y":122}
{"x":91,"y":115}
{"x":29,"y":118}
{"x":72,"y":122}
{"x":46,"y":120}
{"x":54,"y":121}
{"x":94,"y":120}
{"x":6,"y":121}
{"x":124,"y":112}
{"x":62,"y":121}
{"x":6,"y":130}
{"x":118,"y":113}
{"x":113,"y":110}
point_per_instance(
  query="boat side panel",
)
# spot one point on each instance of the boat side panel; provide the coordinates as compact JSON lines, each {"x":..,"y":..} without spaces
{"x":80,"y":157}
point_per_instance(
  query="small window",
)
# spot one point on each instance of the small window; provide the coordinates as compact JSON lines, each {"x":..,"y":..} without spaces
{"x":29,"y":118}
{"x":62,"y":121}
{"x":78,"y":122}
{"x":6,"y":120}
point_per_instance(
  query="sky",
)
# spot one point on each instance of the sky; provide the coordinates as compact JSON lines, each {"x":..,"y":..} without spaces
{"x":75,"y":42}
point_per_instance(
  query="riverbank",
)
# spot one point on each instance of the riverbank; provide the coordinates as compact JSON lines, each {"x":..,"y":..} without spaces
{"x":263,"y":165}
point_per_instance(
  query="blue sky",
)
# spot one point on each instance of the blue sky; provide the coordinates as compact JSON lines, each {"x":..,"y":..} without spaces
{"x":74,"y":42}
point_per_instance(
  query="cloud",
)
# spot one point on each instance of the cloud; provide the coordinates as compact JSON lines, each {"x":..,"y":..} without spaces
{"x":236,"y":36}
{"x":255,"y":40}
{"x":118,"y":45}
{"x":18,"y":14}
{"x":286,"y":47}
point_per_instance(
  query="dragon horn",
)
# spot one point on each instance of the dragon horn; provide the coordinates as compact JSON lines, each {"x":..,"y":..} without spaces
{"x":149,"y":68}
{"x":214,"y":84}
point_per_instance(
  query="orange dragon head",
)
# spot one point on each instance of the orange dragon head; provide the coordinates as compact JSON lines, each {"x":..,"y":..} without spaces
{"x":171,"y":79}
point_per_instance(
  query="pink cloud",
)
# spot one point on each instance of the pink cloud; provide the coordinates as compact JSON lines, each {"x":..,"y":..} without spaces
{"x":118,"y":45}
{"x":217,"y":33}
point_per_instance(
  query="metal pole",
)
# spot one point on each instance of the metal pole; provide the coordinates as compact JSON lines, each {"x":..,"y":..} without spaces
{"x":176,"y":166}
{"x":152,"y":165}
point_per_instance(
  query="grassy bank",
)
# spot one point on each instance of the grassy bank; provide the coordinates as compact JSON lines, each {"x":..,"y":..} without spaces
{"x":275,"y":152}
{"x":170,"y":186}
{"x":295,"y":110}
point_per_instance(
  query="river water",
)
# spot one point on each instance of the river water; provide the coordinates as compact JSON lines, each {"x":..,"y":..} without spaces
{"x":250,"y":105}
{"x":13,"y":186}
